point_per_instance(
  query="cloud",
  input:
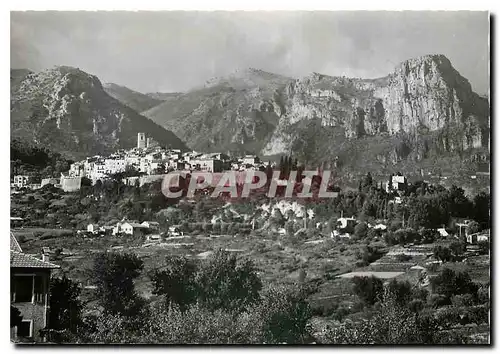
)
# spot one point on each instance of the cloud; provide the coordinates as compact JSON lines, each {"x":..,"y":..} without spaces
{"x":175,"y":51}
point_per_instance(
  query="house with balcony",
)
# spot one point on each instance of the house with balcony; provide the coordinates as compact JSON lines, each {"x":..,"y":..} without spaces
{"x":29,"y":292}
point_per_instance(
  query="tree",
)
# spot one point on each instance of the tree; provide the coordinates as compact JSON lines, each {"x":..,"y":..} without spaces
{"x":277,"y":218}
{"x":366,"y":182}
{"x":361,"y":230}
{"x":482,"y":207}
{"x":225,"y":283}
{"x":283,"y":315}
{"x":368,"y":289}
{"x":473,"y":227}
{"x":289,"y":228}
{"x":458,"y":248}
{"x":65,"y":305}
{"x":442,"y":253}
{"x":370,"y":253}
{"x":460,"y":205}
{"x":401,"y":291}
{"x":449,"y":283}
{"x":114,"y":275}
{"x":484,"y":247}
{"x":428,"y":235}
{"x":392,"y":324}
{"x":86,"y":182}
{"x":177,"y":283}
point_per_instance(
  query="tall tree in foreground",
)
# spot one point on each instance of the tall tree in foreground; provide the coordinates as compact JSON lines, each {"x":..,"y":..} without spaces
{"x":283,"y":316}
{"x":177,"y":282}
{"x":65,"y":305}
{"x":114,"y":275}
{"x":225,"y":283}
{"x":15,"y":316}
{"x":368,"y":289}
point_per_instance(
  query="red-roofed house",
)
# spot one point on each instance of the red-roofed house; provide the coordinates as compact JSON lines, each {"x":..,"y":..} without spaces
{"x":29,"y":291}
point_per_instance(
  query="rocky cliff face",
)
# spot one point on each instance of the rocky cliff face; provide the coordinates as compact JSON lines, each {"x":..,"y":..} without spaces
{"x":423,"y":108}
{"x":236,"y":113}
{"x":422,"y":96}
{"x":68,"y":111}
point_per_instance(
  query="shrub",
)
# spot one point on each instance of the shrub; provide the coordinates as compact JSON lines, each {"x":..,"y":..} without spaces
{"x":416,"y":305}
{"x":341,"y":312}
{"x":463,"y":300}
{"x":484,"y":247}
{"x":436,"y":300}
{"x":403,"y":257}
{"x":368,"y":289}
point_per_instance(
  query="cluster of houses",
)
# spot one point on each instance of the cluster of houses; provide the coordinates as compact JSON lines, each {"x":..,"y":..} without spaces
{"x":148,"y":158}
{"x":345,"y":228}
{"x":149,"y":229}
{"x":124,"y":228}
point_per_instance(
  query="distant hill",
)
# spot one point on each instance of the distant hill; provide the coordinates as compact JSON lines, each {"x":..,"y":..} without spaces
{"x":163,"y":96}
{"x":137,"y":101}
{"x":67,"y":110}
{"x":237,"y":113}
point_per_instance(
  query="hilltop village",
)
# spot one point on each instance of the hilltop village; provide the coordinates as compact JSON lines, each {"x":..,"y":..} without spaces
{"x":147,"y":162}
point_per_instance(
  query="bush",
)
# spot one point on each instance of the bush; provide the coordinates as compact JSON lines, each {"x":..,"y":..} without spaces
{"x":283,"y":316}
{"x":463,"y":300}
{"x":436,"y":300}
{"x":449,"y":283}
{"x":443,"y":254}
{"x":361,"y":230}
{"x":368,"y":289}
{"x":416,"y":305}
{"x":403,"y":257}
{"x":401,"y":291}
{"x":341,"y":312}
{"x":484,"y":247}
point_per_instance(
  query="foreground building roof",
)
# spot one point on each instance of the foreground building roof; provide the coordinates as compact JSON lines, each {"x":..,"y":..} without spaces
{"x":23,"y":260}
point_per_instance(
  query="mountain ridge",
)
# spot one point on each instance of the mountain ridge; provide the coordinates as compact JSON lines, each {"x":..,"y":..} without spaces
{"x":253,"y":110}
{"x":67,"y":110}
{"x":138,"y":101}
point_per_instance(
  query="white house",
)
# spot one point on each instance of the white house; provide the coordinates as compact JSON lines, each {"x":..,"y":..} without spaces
{"x":132,"y":228}
{"x":483,"y":237}
{"x":443,"y":232}
{"x":381,"y":227}
{"x":346,"y":222}
{"x":21,"y":181}
{"x":398,"y":183}
{"x":342,"y":236}
{"x":175,"y":231}
{"x":154,"y":237}
{"x":93,"y":228}
{"x":250,"y":160}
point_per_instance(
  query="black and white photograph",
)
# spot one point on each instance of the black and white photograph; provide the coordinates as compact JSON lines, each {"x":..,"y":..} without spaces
{"x":250,"y":177}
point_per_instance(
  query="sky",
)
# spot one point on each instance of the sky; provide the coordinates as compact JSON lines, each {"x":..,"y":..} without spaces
{"x":177,"y":51}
